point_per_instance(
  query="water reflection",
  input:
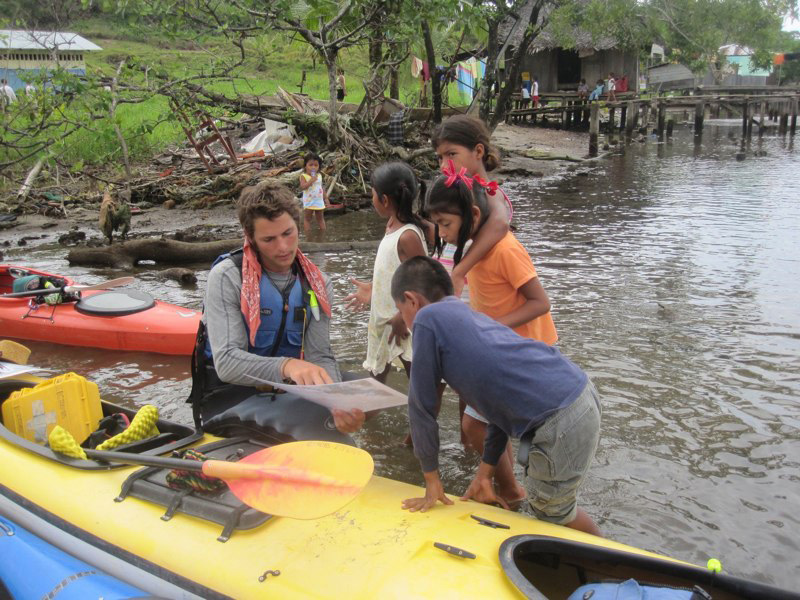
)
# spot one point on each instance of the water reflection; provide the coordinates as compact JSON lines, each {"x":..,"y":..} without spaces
{"x":673,"y":273}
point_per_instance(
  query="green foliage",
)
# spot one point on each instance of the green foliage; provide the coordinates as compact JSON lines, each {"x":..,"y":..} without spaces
{"x":694,"y":30}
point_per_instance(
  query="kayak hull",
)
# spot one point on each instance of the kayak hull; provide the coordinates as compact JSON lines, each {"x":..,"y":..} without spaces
{"x":164,"y":328}
{"x":370,"y":548}
{"x":33,"y":568}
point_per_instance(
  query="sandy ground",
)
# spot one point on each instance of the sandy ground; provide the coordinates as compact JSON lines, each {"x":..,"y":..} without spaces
{"x":517,"y":144}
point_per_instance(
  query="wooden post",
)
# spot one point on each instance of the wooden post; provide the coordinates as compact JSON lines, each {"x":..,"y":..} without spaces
{"x":670,"y":125}
{"x":750,"y":118}
{"x":795,"y":102}
{"x":645,"y":115}
{"x":564,"y":113}
{"x":745,"y":117}
{"x":623,"y":117}
{"x":594,"y":128}
{"x":783,"y":124}
{"x":630,"y":118}
{"x":611,"y":121}
{"x":662,"y":115}
{"x":761,"y":118}
{"x":699,"y":114}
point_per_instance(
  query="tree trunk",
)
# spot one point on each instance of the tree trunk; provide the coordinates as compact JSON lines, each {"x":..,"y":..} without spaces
{"x":375,"y":53}
{"x":173,"y":252}
{"x":492,"y":71}
{"x":513,"y":73}
{"x":394,"y":85}
{"x":436,"y":87}
{"x":333,"y":123}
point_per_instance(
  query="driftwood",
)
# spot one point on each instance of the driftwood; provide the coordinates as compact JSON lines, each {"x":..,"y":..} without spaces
{"x":173,"y":252}
{"x":180,"y":274}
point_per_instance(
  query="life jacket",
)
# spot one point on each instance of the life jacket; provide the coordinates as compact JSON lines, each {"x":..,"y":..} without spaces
{"x":280,"y":333}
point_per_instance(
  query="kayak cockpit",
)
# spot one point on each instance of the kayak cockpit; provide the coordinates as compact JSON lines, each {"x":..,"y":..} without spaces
{"x":171,"y":436}
{"x":544,"y":567}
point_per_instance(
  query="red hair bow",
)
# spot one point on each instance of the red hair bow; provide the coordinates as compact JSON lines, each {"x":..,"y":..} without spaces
{"x":453,"y":176}
{"x":491,"y":186}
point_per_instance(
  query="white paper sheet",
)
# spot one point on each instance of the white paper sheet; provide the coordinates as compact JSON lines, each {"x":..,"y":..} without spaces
{"x":365,"y":394}
{"x":10,"y":369}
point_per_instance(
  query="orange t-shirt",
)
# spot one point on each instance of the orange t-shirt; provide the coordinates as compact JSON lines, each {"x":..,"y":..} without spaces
{"x":494,"y":287}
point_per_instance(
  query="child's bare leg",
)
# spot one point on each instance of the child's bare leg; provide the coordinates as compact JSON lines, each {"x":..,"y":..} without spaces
{"x":508,"y":488}
{"x":583,"y":522}
{"x":306,"y":222}
{"x":321,"y":220}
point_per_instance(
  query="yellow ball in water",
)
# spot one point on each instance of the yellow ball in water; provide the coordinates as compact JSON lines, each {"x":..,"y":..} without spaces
{"x":714,"y":565}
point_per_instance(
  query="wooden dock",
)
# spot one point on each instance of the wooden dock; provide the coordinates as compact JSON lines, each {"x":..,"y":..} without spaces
{"x":756,"y":107}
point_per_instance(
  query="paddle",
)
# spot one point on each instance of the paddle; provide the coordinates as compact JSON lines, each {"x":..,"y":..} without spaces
{"x":107,"y":285}
{"x":301,"y":480}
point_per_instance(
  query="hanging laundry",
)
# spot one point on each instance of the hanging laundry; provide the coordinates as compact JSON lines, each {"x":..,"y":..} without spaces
{"x":416,"y":66}
{"x":465,"y":79}
{"x":426,"y":72}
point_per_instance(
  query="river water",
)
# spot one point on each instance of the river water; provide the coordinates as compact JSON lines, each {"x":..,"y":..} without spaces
{"x":673,"y":270}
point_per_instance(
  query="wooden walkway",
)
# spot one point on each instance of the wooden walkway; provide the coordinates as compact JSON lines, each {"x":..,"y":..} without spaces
{"x":568,"y":111}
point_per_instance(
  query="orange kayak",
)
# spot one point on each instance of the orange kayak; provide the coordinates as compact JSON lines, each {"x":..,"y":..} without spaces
{"x":120,"y":319}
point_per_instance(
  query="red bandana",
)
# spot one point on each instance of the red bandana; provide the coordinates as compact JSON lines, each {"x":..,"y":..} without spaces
{"x":251,"y":290}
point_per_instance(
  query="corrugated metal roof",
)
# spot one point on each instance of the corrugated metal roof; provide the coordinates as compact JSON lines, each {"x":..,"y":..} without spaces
{"x":12,"y":39}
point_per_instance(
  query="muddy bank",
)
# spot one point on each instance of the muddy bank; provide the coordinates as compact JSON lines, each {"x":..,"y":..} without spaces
{"x":528,"y":152}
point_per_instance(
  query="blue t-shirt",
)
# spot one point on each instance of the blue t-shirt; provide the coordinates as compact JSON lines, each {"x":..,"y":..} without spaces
{"x":516,"y":383}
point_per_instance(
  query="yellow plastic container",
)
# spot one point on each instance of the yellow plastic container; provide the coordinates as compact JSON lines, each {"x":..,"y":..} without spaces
{"x":68,"y":400}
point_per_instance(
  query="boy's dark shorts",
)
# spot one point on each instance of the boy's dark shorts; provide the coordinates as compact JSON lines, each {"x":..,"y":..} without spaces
{"x":561,"y":452}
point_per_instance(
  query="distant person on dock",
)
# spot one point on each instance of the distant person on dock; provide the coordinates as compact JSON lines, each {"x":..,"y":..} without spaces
{"x":612,"y":88}
{"x":527,"y":390}
{"x":535,"y":92}
{"x":394,"y":193}
{"x":315,"y":197}
{"x":466,"y":142}
{"x":266,"y":317}
{"x":341,"y":85}
{"x":583,"y":90}
{"x":525,"y":95}
{"x":598,"y":90}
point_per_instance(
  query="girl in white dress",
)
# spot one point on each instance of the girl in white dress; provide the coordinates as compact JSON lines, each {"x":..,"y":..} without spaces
{"x":315,"y":198}
{"x":394,"y":191}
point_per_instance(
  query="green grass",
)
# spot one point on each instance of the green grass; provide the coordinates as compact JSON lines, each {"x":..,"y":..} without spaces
{"x":272,"y":62}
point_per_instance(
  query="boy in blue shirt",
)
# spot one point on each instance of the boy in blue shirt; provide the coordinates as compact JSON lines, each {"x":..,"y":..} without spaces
{"x":524,"y":388}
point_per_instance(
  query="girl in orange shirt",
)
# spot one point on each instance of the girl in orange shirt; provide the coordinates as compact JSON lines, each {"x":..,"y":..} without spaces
{"x":503,"y":283}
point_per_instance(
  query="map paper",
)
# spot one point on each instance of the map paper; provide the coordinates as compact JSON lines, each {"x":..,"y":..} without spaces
{"x":365,"y":394}
{"x":10,"y":369}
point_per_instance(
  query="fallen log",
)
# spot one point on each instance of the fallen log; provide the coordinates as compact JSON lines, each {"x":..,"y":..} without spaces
{"x":173,"y":252}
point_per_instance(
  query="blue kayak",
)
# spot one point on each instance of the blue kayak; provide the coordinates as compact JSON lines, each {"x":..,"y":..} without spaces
{"x":32,"y":568}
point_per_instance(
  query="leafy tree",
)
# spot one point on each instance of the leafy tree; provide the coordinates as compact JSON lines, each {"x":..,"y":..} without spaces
{"x":694,"y":30}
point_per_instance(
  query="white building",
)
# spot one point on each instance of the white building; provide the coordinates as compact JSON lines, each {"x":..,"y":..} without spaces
{"x":30,"y":52}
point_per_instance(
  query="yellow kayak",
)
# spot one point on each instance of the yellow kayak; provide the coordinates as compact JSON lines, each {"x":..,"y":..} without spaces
{"x":127,"y":522}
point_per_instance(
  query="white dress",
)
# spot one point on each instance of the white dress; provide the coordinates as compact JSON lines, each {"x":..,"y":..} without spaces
{"x":382,"y":308}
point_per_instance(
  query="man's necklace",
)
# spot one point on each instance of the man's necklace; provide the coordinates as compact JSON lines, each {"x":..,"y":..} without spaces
{"x":289,"y":283}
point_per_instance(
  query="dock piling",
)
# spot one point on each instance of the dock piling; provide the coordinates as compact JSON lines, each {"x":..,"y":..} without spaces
{"x":594,"y":128}
{"x":630,"y":118}
{"x":699,"y":115}
{"x":662,"y":115}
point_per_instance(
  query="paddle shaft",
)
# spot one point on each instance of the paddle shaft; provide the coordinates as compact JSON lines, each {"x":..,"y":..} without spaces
{"x":217,"y":468}
{"x":71,"y":288}
{"x":129,"y":458}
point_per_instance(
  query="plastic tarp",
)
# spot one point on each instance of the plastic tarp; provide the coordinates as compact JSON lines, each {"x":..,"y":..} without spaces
{"x":277,"y":137}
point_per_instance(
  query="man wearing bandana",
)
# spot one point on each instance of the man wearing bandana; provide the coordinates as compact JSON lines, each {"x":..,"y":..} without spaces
{"x":266,"y":317}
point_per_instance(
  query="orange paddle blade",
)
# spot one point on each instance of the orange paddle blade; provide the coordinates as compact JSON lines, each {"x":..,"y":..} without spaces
{"x":302,"y":480}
